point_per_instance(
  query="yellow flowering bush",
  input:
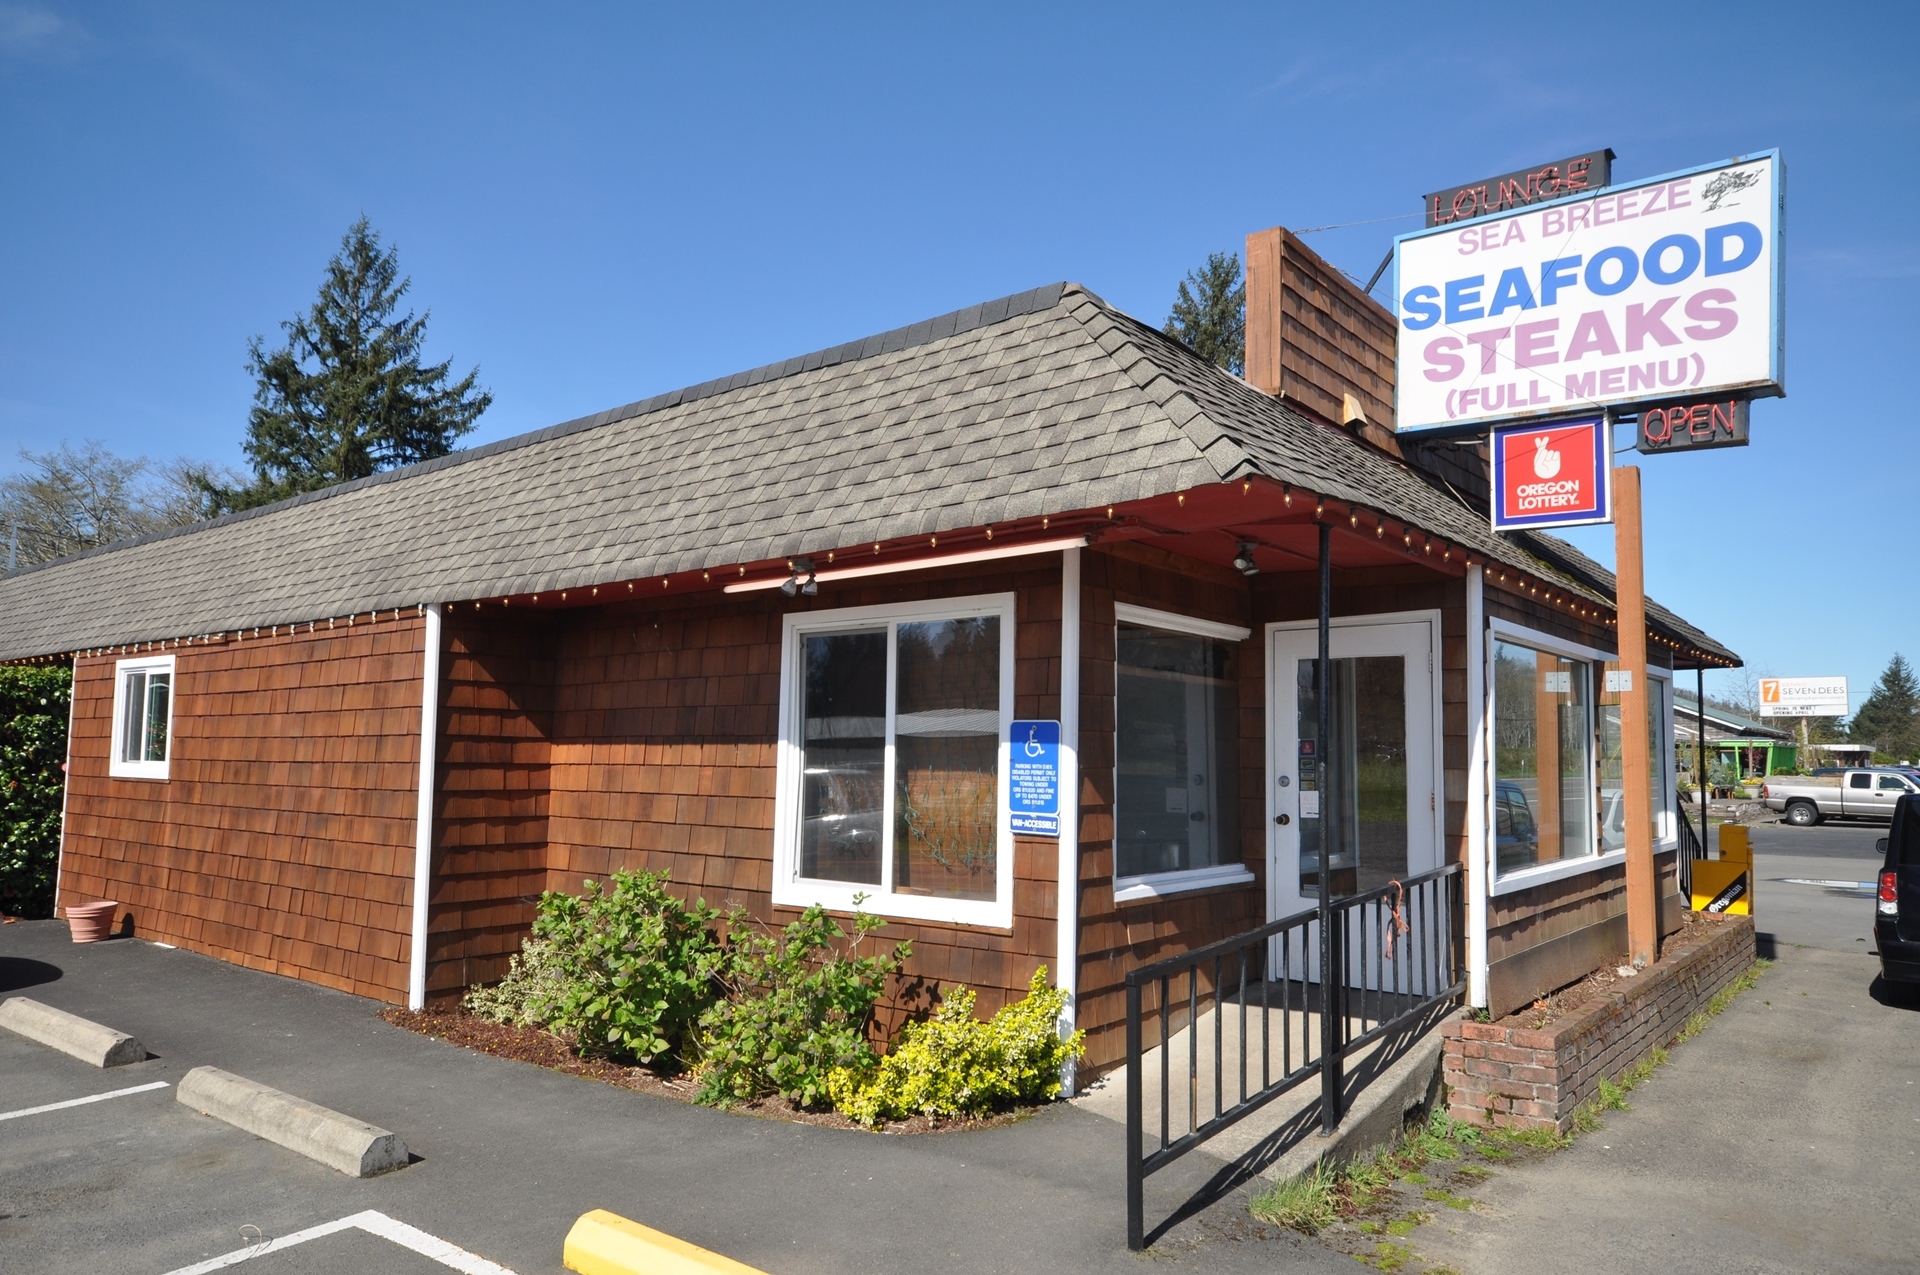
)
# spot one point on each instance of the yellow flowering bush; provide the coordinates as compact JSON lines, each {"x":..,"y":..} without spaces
{"x":955,"y":1065}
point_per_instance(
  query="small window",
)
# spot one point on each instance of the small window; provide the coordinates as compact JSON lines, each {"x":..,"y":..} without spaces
{"x":1176,"y":755}
{"x":1892,"y":783}
{"x":894,"y":760}
{"x":1860,"y":779}
{"x":142,"y":718}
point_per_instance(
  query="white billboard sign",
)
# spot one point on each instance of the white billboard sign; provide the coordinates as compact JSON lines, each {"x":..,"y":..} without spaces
{"x":1803,"y":697}
{"x":1663,"y":289}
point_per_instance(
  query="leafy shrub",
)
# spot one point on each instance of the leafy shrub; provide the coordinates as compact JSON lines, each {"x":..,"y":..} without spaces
{"x":956,"y":1065}
{"x":798,"y":1007}
{"x":526,"y":997}
{"x":630,"y":969}
{"x":33,"y":745}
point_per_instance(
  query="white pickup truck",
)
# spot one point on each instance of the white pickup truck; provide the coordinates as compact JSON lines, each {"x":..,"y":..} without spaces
{"x":1853,"y":794}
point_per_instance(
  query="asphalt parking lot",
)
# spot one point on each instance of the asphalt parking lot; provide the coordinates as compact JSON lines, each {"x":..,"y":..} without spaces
{"x":509,"y":1155}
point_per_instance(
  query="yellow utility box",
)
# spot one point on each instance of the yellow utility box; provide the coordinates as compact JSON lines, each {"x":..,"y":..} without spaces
{"x":1726,"y":884}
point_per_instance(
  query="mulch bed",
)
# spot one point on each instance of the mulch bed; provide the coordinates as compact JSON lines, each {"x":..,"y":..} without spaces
{"x":1574,"y":997}
{"x":542,"y":1049}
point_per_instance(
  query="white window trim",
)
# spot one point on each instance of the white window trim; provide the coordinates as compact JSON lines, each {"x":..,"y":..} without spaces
{"x":140,"y":769}
{"x":1160,"y":885}
{"x":1669,"y":838}
{"x":1570,"y":865}
{"x":790,"y":889}
{"x":1128,"y":613}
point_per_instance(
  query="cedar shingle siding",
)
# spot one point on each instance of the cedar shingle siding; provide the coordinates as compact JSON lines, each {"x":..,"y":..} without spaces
{"x":283,"y":837}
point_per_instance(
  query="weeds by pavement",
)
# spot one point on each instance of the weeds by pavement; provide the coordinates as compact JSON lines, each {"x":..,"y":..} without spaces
{"x":1371,"y":1209}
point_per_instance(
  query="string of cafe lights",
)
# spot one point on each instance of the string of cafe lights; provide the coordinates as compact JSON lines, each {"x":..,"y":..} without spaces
{"x":1412,"y":542}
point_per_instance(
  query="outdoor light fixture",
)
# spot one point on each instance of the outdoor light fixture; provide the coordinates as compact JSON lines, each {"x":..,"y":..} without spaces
{"x":794,"y":584}
{"x":909,"y":564}
{"x":1245,"y":563}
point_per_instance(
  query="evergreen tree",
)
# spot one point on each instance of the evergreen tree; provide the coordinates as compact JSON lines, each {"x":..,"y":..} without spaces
{"x":1890,"y":718}
{"x":1210,"y":313}
{"x":348,"y":394}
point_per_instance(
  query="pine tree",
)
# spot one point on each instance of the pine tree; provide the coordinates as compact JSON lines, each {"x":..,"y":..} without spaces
{"x":348,"y":394}
{"x":1890,"y":718}
{"x":1210,"y":313}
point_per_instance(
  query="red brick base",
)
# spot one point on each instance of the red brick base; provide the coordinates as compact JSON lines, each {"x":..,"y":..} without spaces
{"x":1514,"y":1076}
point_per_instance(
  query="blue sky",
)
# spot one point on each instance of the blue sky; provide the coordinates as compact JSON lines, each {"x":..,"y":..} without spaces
{"x":599,"y":203}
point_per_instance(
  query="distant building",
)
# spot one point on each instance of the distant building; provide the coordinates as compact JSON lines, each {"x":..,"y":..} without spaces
{"x":1758,"y":750}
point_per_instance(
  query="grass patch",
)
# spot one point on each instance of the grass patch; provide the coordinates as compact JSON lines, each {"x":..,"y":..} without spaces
{"x":1388,"y":1256}
{"x":1440,"y":1195}
{"x":1305,"y":1204}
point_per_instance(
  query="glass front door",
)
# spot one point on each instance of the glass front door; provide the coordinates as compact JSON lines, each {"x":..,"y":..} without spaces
{"x":1378,"y":818}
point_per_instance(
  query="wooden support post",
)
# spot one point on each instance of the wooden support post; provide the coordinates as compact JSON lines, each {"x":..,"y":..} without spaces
{"x":1630,"y":598}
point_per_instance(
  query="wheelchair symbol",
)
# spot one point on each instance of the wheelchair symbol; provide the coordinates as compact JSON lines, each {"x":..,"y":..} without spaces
{"x":1034,"y":746}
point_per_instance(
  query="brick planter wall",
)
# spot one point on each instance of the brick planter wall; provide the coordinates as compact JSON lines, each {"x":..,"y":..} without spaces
{"x":1508,"y":1074}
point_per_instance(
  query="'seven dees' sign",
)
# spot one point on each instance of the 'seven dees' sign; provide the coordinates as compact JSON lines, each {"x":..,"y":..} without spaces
{"x":1660,"y":289}
{"x":1803,"y":697}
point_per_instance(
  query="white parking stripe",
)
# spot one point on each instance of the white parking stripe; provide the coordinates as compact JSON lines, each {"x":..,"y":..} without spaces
{"x":81,"y":1102}
{"x":1829,"y":885}
{"x":371,"y":1221}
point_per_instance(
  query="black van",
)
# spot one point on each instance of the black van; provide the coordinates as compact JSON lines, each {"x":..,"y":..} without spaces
{"x":1896,"y":915}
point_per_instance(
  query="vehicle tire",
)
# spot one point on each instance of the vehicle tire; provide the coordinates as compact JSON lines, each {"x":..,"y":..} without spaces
{"x":1802,"y":814}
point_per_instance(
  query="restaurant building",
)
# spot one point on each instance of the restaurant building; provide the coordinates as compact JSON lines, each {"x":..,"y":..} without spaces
{"x":770,"y":633}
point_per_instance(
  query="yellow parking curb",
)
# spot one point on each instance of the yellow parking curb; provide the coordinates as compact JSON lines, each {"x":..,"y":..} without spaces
{"x":603,"y":1243}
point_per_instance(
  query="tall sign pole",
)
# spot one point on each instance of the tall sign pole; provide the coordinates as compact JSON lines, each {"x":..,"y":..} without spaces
{"x":1643,"y":921}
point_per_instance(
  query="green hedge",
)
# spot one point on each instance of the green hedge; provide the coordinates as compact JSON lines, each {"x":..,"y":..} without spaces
{"x":33,"y":746}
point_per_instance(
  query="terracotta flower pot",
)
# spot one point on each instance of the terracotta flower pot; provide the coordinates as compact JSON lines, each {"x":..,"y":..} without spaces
{"x":92,"y":922}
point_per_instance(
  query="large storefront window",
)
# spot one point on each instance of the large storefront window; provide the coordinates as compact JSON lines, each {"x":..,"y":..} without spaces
{"x":1177,"y":750}
{"x":1543,"y":757}
{"x":893,"y":760}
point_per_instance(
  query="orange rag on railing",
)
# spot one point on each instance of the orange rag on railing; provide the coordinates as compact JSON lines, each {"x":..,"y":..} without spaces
{"x":1397,"y":922}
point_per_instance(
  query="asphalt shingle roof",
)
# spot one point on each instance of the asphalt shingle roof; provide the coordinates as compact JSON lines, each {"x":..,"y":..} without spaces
{"x":1043,"y":402}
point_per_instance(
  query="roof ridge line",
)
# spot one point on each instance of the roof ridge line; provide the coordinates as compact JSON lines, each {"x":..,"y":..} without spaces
{"x":924,"y":332}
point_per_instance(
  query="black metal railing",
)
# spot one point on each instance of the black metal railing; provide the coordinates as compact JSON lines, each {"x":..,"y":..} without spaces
{"x":1256,"y":1008}
{"x":1693,"y":845}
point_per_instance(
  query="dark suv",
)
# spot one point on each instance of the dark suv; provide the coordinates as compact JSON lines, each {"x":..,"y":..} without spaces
{"x":1896,"y":916}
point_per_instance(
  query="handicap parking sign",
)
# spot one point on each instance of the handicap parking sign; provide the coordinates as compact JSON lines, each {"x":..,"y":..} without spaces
{"x":1033,"y":779}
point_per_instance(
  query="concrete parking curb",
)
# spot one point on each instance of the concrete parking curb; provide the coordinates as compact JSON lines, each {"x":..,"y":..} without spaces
{"x":57,"y":1029}
{"x":603,"y":1243}
{"x":354,"y":1147}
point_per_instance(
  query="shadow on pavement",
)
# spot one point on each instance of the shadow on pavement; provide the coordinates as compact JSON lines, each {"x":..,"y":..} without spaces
{"x":1895,"y":995}
{"x":1764,"y":946}
{"x":17,"y":972}
{"x":1305,"y":1124}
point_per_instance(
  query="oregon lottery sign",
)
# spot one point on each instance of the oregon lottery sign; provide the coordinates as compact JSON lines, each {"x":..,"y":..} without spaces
{"x":1556,"y":474}
{"x":1663,"y":289}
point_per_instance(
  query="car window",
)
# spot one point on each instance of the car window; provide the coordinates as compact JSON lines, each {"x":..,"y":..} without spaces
{"x":1903,"y":838}
{"x":1892,"y":783}
{"x":1503,"y":819}
{"x":1860,"y":780}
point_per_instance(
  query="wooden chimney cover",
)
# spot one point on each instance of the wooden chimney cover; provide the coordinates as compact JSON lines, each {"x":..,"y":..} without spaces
{"x":1314,"y":338}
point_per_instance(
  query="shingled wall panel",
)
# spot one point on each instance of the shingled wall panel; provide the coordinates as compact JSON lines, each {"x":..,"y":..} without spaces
{"x":490,"y":821}
{"x":282,"y":838}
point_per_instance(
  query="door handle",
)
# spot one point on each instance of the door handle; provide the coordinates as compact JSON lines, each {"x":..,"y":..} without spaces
{"x":1282,"y":820}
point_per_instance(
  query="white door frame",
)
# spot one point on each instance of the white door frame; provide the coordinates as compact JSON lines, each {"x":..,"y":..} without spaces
{"x":1424,"y":854}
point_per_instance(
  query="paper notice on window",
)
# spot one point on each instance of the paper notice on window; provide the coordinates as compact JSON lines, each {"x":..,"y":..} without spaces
{"x":1619,"y":680}
{"x":1176,"y":801}
{"x":1309,"y":805}
{"x":1556,"y":683}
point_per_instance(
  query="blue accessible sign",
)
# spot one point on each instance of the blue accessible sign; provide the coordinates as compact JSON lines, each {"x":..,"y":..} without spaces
{"x":1033,"y":779}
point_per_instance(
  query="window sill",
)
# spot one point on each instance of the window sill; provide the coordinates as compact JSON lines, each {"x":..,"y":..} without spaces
{"x":836,"y":896}
{"x":1162,"y":885}
{"x":1527,"y":878}
{"x":137,"y":770}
